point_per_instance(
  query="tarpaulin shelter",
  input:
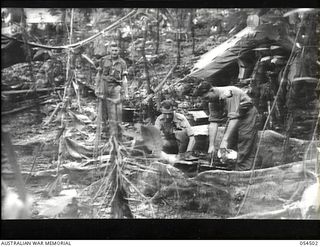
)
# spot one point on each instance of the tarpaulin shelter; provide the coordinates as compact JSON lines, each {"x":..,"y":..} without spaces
{"x":237,"y":47}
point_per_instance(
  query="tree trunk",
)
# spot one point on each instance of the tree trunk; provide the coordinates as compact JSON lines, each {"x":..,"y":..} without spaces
{"x":145,"y":61}
{"x":158,"y":32}
{"x":146,"y":69}
{"x":120,"y":41}
{"x":179,"y":38}
{"x":29,"y":58}
{"x":119,"y":205}
{"x":192,"y":29}
{"x":66,"y":98}
{"x":178,"y":49}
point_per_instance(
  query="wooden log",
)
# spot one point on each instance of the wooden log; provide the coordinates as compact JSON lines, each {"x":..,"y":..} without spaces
{"x":20,"y":109}
{"x":236,"y":177}
{"x":80,"y":174}
{"x":12,"y":92}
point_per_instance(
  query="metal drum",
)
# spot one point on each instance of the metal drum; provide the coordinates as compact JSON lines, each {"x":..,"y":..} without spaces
{"x":128,"y":115}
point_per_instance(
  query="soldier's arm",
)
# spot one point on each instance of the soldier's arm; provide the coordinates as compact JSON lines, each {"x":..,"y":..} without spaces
{"x":190,"y":134}
{"x":125,"y":81}
{"x":192,"y":142}
{"x":125,"y":87}
{"x":157,"y":124}
{"x":230,"y":129}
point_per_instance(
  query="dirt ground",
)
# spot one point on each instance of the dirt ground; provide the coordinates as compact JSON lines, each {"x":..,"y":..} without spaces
{"x":36,"y":151}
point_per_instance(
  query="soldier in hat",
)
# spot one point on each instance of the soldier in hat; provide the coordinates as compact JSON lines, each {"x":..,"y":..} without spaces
{"x":113,"y":78}
{"x":177,"y":134}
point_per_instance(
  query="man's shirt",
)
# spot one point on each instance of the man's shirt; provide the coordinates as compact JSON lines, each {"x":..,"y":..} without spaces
{"x":231,"y":105}
{"x":178,"y":123}
{"x":115,"y":68}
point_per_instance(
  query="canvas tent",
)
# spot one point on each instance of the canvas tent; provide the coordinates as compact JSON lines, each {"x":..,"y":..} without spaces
{"x":237,"y":47}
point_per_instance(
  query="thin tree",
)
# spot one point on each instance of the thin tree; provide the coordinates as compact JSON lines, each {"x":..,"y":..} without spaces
{"x":27,"y":50}
{"x":192,"y":24}
{"x":146,"y":69}
{"x":66,"y":97}
{"x":158,"y":32}
{"x":180,"y":19}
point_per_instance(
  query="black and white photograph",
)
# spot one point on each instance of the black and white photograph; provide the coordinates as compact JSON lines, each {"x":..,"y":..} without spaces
{"x":160,"y":113}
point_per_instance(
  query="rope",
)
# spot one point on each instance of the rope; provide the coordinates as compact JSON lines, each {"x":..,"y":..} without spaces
{"x":266,"y":122}
{"x":82,"y":42}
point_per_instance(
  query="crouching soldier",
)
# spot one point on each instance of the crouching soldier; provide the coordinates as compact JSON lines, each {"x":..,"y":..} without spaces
{"x":178,"y":137}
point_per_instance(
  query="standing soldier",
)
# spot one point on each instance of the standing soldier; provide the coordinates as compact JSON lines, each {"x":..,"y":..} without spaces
{"x":113,"y":78}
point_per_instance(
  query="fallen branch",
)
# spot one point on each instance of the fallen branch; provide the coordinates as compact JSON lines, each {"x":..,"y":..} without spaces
{"x":277,"y":214}
{"x":180,"y":80}
{"x":159,"y":87}
{"x":53,"y":114}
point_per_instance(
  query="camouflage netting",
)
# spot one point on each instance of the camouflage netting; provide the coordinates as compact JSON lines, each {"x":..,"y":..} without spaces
{"x":221,"y":193}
